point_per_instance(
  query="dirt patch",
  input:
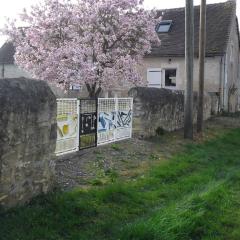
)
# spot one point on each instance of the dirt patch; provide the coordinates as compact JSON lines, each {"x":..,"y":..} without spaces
{"x":130,"y":158}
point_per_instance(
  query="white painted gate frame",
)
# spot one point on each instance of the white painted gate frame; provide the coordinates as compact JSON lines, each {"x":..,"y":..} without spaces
{"x":115,"y":138}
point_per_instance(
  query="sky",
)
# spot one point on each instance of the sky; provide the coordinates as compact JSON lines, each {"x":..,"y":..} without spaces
{"x":11,"y":8}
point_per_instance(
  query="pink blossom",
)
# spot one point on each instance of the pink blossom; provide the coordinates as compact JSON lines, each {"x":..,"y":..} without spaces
{"x":91,"y":41}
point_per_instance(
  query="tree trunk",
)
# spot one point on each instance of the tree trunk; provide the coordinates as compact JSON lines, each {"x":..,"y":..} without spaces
{"x":93,"y":90}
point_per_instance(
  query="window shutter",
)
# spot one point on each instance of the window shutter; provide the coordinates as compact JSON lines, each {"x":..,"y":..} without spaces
{"x":154,"y":77}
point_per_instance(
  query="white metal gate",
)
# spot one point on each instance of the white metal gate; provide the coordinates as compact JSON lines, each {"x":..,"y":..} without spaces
{"x":67,"y":125}
{"x":114,"y":119}
{"x":114,"y":122}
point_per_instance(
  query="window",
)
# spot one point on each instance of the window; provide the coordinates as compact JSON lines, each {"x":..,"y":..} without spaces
{"x":75,"y":86}
{"x":154,"y":76}
{"x":159,"y":78}
{"x":164,"y":26}
{"x":170,"y":77}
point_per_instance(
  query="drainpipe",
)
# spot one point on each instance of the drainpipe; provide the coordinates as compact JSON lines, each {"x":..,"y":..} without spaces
{"x":224,"y":82}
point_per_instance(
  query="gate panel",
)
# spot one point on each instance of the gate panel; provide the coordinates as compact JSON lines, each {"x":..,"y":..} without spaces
{"x":88,"y":123}
{"x":114,"y":119}
{"x":124,"y":118}
{"x":106,"y":120}
{"x":67,"y":125}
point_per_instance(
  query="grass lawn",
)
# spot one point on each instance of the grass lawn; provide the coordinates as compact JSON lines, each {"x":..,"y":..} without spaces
{"x":193,"y":195}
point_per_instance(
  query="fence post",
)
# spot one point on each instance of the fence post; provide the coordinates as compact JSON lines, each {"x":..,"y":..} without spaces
{"x":131,"y":107}
{"x":116,"y":114}
{"x":78,"y":127}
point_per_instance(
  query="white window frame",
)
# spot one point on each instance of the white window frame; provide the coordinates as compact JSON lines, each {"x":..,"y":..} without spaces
{"x":163,"y":77}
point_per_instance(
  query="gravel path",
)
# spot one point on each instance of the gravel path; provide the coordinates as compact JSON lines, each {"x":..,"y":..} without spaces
{"x":127,"y":159}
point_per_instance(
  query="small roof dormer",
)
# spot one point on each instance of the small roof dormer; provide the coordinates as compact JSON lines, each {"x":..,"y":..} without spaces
{"x":164,"y":26}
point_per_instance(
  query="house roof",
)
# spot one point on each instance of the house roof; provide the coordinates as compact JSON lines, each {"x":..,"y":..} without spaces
{"x":219,"y":20}
{"x":7,"y":52}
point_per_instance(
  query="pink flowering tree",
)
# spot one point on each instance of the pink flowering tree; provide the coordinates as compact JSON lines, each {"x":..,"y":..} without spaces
{"x":99,"y":43}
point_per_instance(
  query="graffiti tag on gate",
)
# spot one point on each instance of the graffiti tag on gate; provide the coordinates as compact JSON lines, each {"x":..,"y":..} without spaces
{"x":124,"y":118}
{"x":113,"y":120}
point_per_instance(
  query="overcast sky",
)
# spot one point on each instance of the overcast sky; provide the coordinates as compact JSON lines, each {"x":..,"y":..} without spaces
{"x":11,"y":8}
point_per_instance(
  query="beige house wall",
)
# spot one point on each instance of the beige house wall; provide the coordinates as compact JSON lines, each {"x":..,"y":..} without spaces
{"x":12,"y":71}
{"x":212,"y":72}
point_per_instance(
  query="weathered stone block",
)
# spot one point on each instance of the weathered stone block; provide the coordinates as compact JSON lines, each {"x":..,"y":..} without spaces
{"x":27,"y":139}
{"x":162,"y":108}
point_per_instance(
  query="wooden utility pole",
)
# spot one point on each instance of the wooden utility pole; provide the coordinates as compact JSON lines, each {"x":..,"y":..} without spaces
{"x":202,"y":47}
{"x":3,"y":71}
{"x":189,"y":57}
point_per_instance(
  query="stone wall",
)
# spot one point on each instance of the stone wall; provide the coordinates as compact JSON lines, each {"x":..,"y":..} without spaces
{"x":163,"y":109}
{"x":27,"y":139}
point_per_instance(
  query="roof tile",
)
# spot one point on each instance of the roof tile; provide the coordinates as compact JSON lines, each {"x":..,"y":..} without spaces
{"x":219,"y":21}
{"x":7,"y":52}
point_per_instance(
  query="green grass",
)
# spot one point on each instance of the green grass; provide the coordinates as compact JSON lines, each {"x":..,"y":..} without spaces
{"x":194,"y":195}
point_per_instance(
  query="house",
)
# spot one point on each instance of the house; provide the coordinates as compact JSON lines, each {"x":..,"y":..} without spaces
{"x":164,"y":67}
{"x":7,"y":67}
